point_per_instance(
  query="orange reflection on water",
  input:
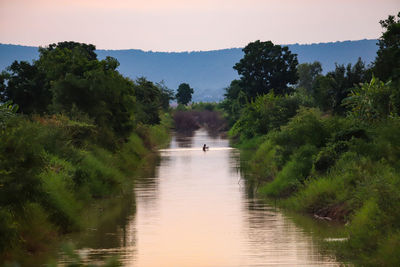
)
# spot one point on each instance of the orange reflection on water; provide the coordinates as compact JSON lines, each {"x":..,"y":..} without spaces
{"x":195,"y":211}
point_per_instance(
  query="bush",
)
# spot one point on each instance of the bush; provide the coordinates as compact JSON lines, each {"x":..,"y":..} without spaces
{"x":305,"y":128}
{"x":21,"y":160}
{"x":266,"y":113}
{"x":293,"y":174}
{"x":8,"y":229}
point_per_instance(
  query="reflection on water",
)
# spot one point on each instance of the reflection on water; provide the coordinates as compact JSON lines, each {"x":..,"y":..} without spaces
{"x":194,"y":211}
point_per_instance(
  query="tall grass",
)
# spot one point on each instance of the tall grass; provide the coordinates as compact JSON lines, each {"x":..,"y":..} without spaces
{"x":338,"y":169}
{"x":52,"y":169}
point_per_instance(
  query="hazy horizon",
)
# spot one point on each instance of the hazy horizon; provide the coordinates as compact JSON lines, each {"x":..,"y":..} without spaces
{"x":190,"y":25}
{"x":188,"y":51}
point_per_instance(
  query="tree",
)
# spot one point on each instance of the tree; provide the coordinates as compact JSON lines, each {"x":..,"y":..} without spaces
{"x":373,"y":101}
{"x":308,"y":72}
{"x":329,"y":91}
{"x":184,"y":94}
{"x":148,"y":97}
{"x":166,"y":95}
{"x":343,"y":79}
{"x":387,"y":62}
{"x":235,"y":99}
{"x":266,"y":67}
{"x":26,"y":86}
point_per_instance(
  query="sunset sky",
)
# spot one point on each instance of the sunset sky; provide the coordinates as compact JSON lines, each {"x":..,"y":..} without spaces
{"x":188,"y":25}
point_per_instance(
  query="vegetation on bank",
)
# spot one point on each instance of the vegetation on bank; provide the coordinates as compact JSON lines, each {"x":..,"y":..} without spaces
{"x":199,"y":115}
{"x":329,"y":145}
{"x":73,"y":130}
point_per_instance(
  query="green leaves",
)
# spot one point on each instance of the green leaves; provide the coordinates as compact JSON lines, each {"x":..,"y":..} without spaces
{"x":184,"y":94}
{"x":387,"y":63}
{"x":372,"y":101}
{"x":266,"y":67}
{"x":7,"y":110}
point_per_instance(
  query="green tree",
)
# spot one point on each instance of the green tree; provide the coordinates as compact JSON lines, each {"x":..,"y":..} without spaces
{"x":266,"y":67}
{"x":308,"y":72}
{"x":265,"y":113}
{"x":184,"y":94}
{"x":67,"y":78}
{"x":166,"y":95}
{"x":387,"y":62}
{"x":234,"y":101}
{"x":373,"y":101}
{"x":329,"y":91}
{"x":26,"y":86}
{"x":322,"y":93}
{"x":148,"y":97}
{"x":81,"y":82}
{"x":343,"y":79}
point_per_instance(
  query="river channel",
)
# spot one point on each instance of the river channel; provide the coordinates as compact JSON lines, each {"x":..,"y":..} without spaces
{"x":194,"y":210}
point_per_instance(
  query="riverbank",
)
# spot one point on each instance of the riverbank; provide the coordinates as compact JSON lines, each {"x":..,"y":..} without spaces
{"x":57,"y":170}
{"x":334,"y":169}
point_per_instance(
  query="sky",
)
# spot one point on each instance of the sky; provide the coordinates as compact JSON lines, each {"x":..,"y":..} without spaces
{"x":190,"y":25}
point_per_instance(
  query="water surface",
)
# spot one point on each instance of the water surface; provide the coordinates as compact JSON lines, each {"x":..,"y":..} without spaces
{"x":194,"y":211}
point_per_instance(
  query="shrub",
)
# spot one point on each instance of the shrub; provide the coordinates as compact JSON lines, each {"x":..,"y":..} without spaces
{"x":305,"y":128}
{"x":21,"y":160}
{"x":266,"y":113}
{"x":293,"y":174}
{"x":8,"y":229}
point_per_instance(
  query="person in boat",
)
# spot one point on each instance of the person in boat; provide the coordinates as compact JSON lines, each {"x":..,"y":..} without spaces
{"x":205,"y":147}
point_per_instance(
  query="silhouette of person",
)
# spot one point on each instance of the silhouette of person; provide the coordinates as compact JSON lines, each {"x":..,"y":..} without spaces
{"x":205,"y":147}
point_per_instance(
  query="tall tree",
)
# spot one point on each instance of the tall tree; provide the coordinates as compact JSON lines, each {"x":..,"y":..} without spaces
{"x":308,"y":72}
{"x":184,"y":94}
{"x":24,"y":84}
{"x":330,"y":90}
{"x":266,"y":67}
{"x":235,"y":99}
{"x":387,"y":62}
{"x":166,"y":95}
{"x":148,"y":97}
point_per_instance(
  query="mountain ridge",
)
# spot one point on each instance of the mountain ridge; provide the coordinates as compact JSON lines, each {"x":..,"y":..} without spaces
{"x":208,"y":72}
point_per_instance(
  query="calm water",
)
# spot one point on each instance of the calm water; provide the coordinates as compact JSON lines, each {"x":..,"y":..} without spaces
{"x":194,"y":211}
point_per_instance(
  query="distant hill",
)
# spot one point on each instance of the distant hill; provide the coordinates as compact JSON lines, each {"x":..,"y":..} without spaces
{"x":208,"y":72}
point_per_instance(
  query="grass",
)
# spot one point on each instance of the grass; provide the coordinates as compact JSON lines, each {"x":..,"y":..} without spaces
{"x":55,"y":173}
{"x":338,"y":169}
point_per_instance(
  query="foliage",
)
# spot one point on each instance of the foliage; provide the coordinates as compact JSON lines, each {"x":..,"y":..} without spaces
{"x":339,"y":164}
{"x":200,"y":106}
{"x":148,"y":98}
{"x":329,"y":91}
{"x":373,"y":101}
{"x":235,"y":100}
{"x":266,"y":67}
{"x":184,"y":94}
{"x":51,"y":168}
{"x":387,"y":62}
{"x":21,"y":160}
{"x":69,"y":79}
{"x":27,"y":87}
{"x":265,"y":113}
{"x":166,"y":95}
{"x":7,"y":112}
{"x":292,"y":175}
{"x":307,"y":73}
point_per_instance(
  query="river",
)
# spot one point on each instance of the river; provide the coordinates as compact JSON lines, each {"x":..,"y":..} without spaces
{"x":194,"y":210}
